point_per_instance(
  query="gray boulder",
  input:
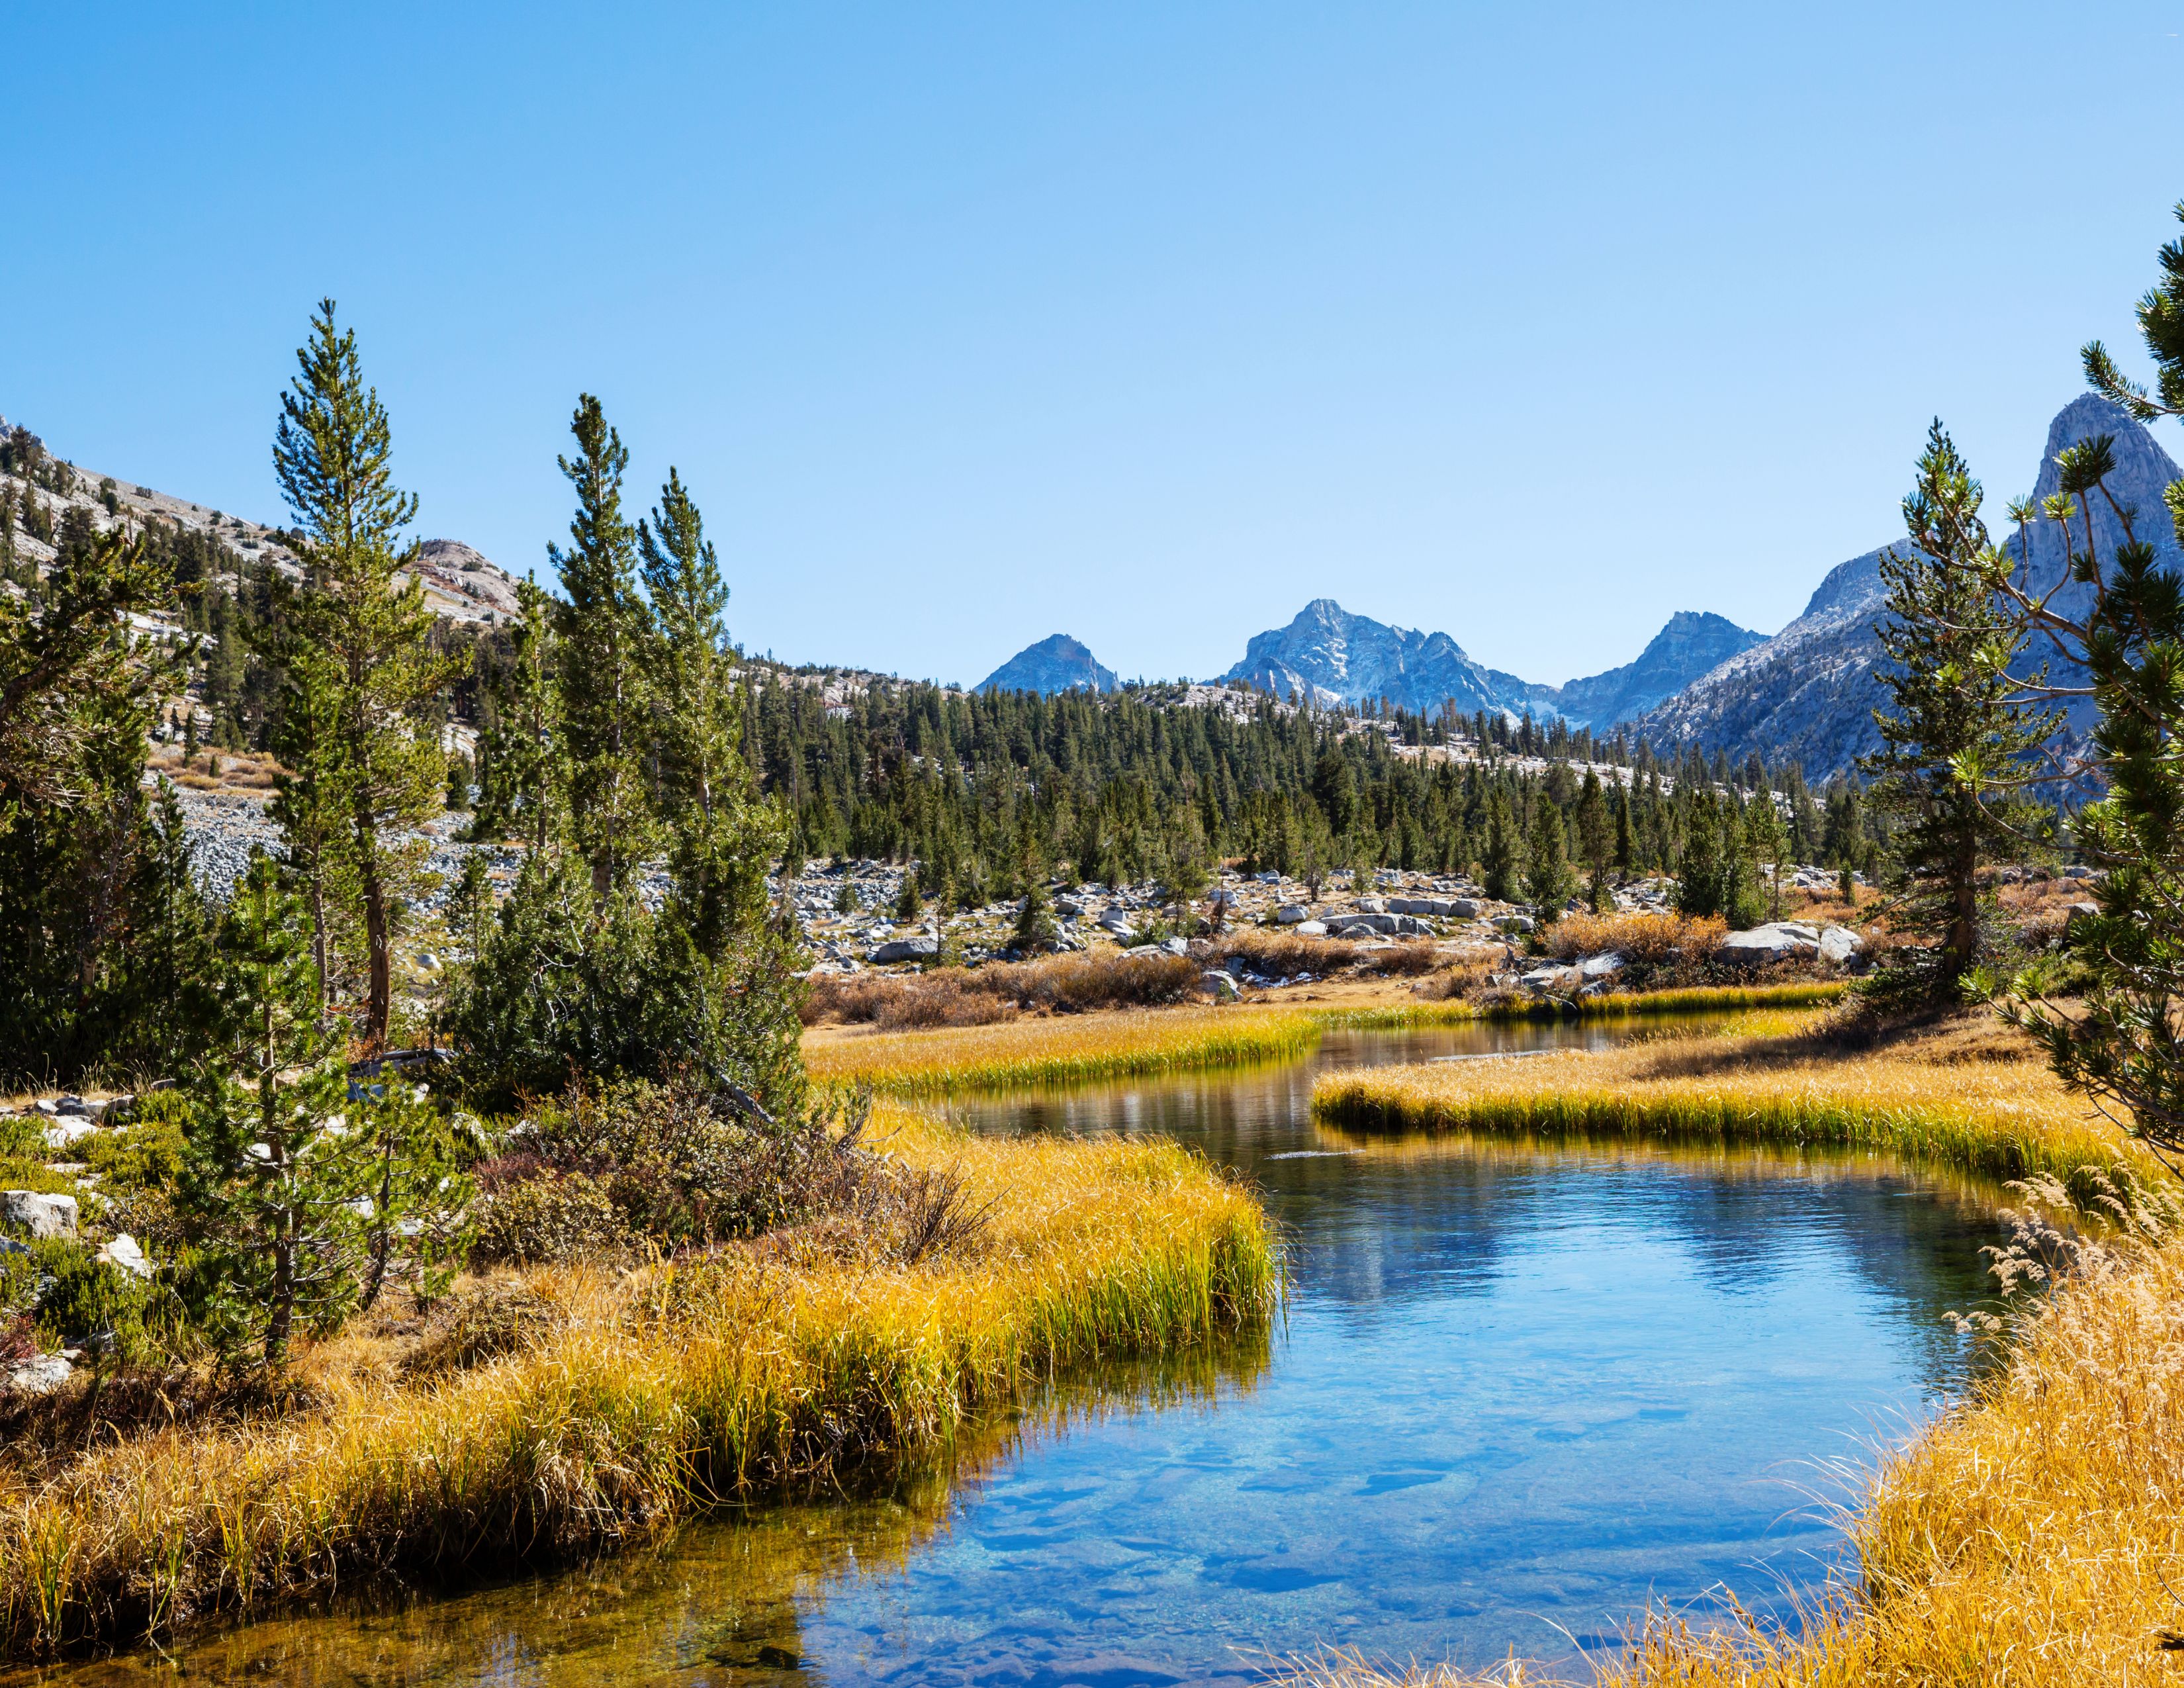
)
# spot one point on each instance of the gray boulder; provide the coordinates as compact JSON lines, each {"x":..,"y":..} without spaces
{"x":1600,"y":967}
{"x":1779,"y":940}
{"x":1291,"y":914}
{"x":41,"y":1374}
{"x":123,"y":1252}
{"x":1838,"y":944}
{"x":1220,"y":986}
{"x":39,"y":1214}
{"x":1309,"y":929}
{"x":1516,"y":923}
{"x":1379,"y":925}
{"x":906,"y":949}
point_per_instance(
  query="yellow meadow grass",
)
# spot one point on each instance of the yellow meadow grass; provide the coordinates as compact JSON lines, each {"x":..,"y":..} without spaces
{"x":659,"y":1389}
{"x":2004,"y":1117}
{"x":1631,"y":1004}
{"x":1065,"y":1048}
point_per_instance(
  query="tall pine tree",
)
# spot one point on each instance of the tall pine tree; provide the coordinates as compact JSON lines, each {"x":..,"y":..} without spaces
{"x":333,"y":457}
{"x":604,"y":629}
{"x":1955,"y":733}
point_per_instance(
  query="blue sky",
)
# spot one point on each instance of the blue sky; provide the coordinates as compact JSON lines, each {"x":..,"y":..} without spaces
{"x":1147,"y":323}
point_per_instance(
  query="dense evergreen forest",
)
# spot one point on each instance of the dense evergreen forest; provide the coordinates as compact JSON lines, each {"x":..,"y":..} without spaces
{"x":982,"y":790}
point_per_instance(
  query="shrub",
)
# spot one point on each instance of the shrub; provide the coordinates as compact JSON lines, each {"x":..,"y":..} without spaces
{"x":85,"y":1301}
{"x":1283,"y":955}
{"x":529,"y":1214}
{"x":941,"y":999}
{"x":1651,"y":939}
{"x":671,"y":1166}
{"x":146,"y":1156}
{"x":481,"y":1322}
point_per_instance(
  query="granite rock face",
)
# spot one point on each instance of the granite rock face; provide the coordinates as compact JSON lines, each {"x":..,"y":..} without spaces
{"x":1331,"y":656}
{"x":1694,"y":642}
{"x":1808,"y":693}
{"x":1058,"y":663}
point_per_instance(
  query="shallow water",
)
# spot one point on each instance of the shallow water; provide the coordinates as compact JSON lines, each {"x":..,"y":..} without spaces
{"x":1519,"y":1392}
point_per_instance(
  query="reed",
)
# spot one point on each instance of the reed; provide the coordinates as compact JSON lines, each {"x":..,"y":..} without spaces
{"x":741,"y":1375}
{"x":2004,"y":1118}
{"x":1064,"y":1049}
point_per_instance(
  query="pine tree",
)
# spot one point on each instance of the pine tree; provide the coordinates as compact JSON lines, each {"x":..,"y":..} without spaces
{"x":1596,"y":838}
{"x":1955,"y":735}
{"x":1625,"y":845}
{"x":604,"y":633}
{"x":332,"y":455}
{"x":2123,"y":1048}
{"x":528,"y":793}
{"x":270,"y":1178}
{"x":1498,"y":866}
{"x":1546,"y":874}
{"x":311,"y":802}
{"x":723,"y":836}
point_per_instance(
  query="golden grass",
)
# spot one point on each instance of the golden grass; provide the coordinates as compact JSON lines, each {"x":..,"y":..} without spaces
{"x":2034,"y":1538}
{"x":656,"y":1391}
{"x":1965,"y":1100}
{"x":1631,"y":1004}
{"x":1065,"y":1050}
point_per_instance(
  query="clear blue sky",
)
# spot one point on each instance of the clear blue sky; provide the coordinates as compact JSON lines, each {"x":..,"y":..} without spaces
{"x":1147,"y":323}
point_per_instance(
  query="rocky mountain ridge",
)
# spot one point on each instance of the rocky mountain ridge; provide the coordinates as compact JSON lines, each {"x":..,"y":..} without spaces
{"x":460,"y":584}
{"x":1331,"y":656}
{"x":1807,"y":694}
{"x":1058,"y":663}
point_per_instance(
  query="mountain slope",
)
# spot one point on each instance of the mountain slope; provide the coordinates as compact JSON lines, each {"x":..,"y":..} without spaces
{"x":1692,"y":644}
{"x":1057,"y":664}
{"x":459,"y":583}
{"x":1331,"y":656}
{"x":1808,"y":693}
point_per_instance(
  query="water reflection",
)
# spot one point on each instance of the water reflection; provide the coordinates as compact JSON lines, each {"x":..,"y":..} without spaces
{"x":1519,"y":1389}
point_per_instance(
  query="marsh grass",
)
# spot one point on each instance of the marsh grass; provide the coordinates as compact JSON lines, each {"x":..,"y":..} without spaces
{"x":1068,"y":1050}
{"x":1622,"y":1006}
{"x":2034,"y":1537}
{"x":739,"y":1375}
{"x":1959,"y":1098}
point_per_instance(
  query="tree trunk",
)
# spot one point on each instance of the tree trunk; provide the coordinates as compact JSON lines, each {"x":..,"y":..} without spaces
{"x":378,"y":1004}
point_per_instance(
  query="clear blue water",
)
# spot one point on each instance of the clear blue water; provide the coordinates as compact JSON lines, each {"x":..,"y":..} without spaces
{"x":1518,"y":1393}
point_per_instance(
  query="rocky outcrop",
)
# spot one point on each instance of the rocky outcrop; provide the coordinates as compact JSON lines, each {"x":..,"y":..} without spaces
{"x":1058,"y":663}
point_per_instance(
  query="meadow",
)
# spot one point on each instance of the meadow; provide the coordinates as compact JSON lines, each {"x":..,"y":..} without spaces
{"x":1032,"y":1051}
{"x":624,"y":1399}
{"x":1972,"y":1097}
{"x":1062,"y":1049}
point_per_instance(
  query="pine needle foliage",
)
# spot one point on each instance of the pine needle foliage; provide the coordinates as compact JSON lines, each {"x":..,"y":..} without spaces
{"x":370,"y":753}
{"x":2124,"y":1045}
{"x":605,"y":632}
{"x":1956,"y":733}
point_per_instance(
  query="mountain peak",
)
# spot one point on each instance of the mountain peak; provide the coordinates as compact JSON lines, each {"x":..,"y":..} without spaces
{"x":1057,"y":663}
